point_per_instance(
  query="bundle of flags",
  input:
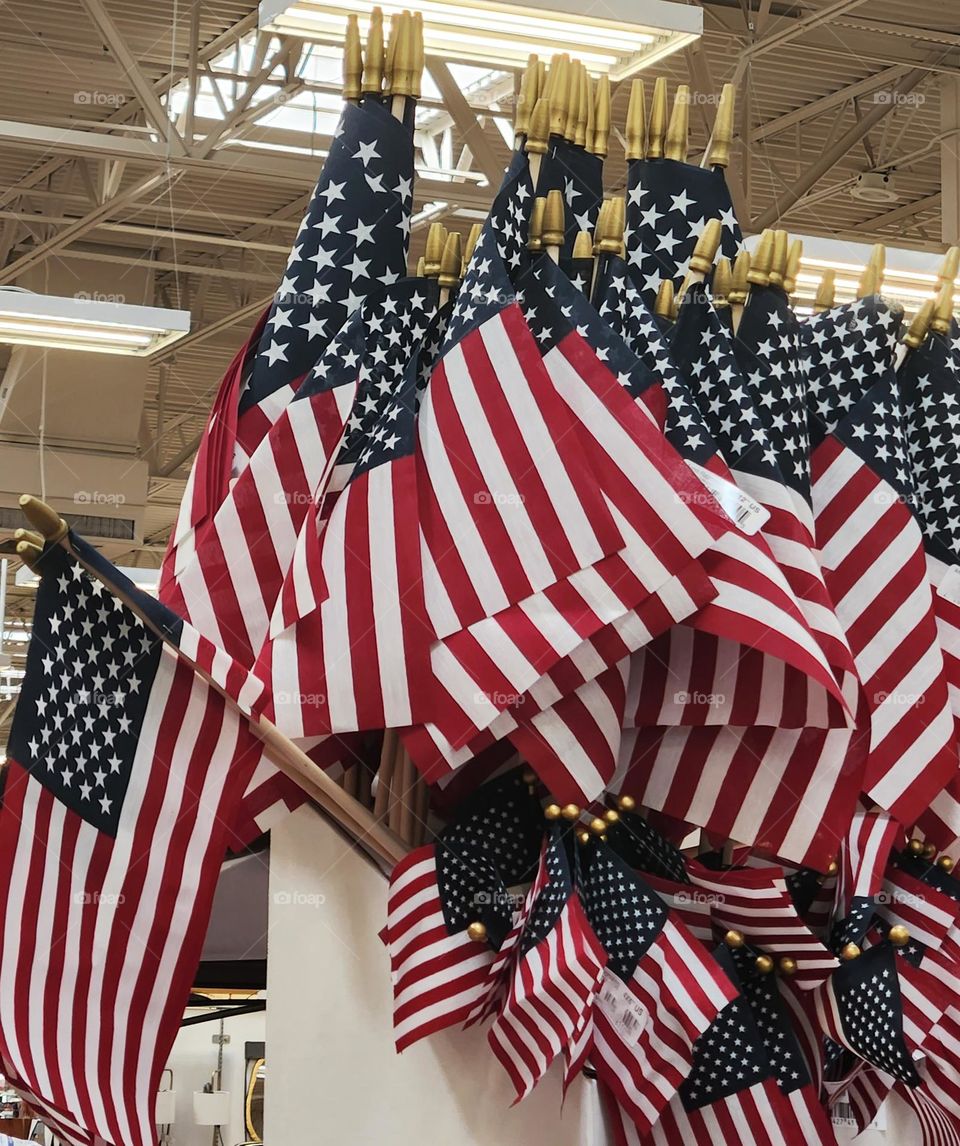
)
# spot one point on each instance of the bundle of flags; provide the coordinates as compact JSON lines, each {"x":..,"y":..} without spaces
{"x":626,"y":596}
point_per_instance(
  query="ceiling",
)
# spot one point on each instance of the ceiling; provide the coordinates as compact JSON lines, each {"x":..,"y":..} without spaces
{"x":91,"y":174}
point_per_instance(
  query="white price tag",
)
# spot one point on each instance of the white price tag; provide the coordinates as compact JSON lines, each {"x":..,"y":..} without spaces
{"x":622,"y":1008}
{"x":748,"y":516}
{"x":949,"y":587}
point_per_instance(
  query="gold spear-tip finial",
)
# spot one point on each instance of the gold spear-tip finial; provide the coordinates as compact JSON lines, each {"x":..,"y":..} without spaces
{"x":871,"y":281}
{"x":554,"y":221}
{"x":46,"y":521}
{"x":951,"y":266}
{"x":535,"y":226}
{"x":943,"y":309}
{"x":778,"y":261}
{"x":598,"y":230}
{"x":740,"y":286}
{"x":915,"y":337}
{"x":826,"y":292}
{"x":663,"y":306}
{"x":451,"y":261}
{"x":583,"y":245}
{"x":657,"y":128}
{"x":374,"y":57}
{"x":470,"y":246}
{"x":722,"y":282}
{"x":794,"y":255}
{"x":29,"y":554}
{"x":762,"y":260}
{"x":402,"y":79}
{"x":636,"y":133}
{"x":718,"y":149}
{"x":421,"y":267}
{"x":352,"y":60}
{"x":601,"y":117}
{"x":390,"y":55}
{"x":538,"y":132}
{"x":526,"y":98}
{"x":611,"y":225}
{"x":559,"y":94}
{"x":584,"y":98}
{"x":678,"y":130}
{"x":433,"y":253}
{"x":573,"y":101}
{"x":590,"y":127}
{"x":418,"y":58}
{"x":708,"y":244}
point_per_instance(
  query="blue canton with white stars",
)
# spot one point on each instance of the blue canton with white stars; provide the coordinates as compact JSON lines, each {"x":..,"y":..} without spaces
{"x":625,"y":914}
{"x":875,"y":431}
{"x":845,"y":350}
{"x":668,"y":206}
{"x":930,"y":389}
{"x":547,"y":908}
{"x":90,"y":669}
{"x":353,"y":238}
{"x":579,"y":176}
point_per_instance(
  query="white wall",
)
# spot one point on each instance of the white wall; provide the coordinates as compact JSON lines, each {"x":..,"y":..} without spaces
{"x":194,"y":1059}
{"x":333,"y":1076}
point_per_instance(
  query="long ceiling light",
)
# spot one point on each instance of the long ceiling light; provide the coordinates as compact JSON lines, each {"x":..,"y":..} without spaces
{"x":632,"y":34}
{"x":92,"y":323}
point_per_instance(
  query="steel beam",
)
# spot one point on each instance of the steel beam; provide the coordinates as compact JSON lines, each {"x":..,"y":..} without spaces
{"x":469,"y":126}
{"x":950,"y":158}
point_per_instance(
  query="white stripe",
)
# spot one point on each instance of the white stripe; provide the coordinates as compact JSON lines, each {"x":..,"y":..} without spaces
{"x":385,"y":590}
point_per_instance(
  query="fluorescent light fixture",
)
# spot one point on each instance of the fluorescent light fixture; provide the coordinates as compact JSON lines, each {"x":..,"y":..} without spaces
{"x":632,"y":34}
{"x":910,"y":277}
{"x":146,"y":579}
{"x":99,"y":325}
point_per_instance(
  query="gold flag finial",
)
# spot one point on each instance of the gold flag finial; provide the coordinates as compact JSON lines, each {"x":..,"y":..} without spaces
{"x":526,"y":98}
{"x":701,"y":261}
{"x":470,"y":246}
{"x":418,"y":56}
{"x":421,"y":267}
{"x":678,"y":130}
{"x":584,"y":95}
{"x":657,"y":128}
{"x":916,"y":336}
{"x":826,"y":294}
{"x":352,"y":61}
{"x":583,"y":245}
{"x":400,"y":79}
{"x":535,"y":228}
{"x":778,"y":262}
{"x":718,"y":149}
{"x":590,"y":130}
{"x":871,"y":281}
{"x":554,"y":219}
{"x":794,"y":255}
{"x":373,"y":60}
{"x":740,"y":286}
{"x":762,"y":260}
{"x":951,"y":266}
{"x":636,"y":134}
{"x":46,"y":521}
{"x":664,"y":303}
{"x":601,"y":117}
{"x":451,"y":261}
{"x":573,"y":101}
{"x":433,"y":253}
{"x":390,"y":58}
{"x":943,"y":309}
{"x":559,"y":94}
{"x":722,"y":281}
{"x":538,"y":132}
{"x":610,"y":226}
{"x":600,"y":225}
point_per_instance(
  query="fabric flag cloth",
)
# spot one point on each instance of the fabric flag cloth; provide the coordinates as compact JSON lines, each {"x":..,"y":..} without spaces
{"x":578,"y":175}
{"x":440,"y":975}
{"x":557,"y":971}
{"x":876,"y":572}
{"x":661,"y":990}
{"x":754,"y":761}
{"x":668,"y":205}
{"x":353,"y":236}
{"x":928,"y":381}
{"x":125,"y":769}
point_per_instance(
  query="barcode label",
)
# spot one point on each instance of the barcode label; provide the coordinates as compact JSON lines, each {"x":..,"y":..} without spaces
{"x":622,"y":1008}
{"x":841,"y":1114}
{"x":748,"y":515}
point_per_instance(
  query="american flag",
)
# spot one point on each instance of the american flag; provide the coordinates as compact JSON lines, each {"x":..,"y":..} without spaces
{"x":352,"y":239}
{"x":440,"y":975}
{"x":354,"y":660}
{"x":928,"y":388}
{"x":668,"y":205}
{"x":863,"y":860}
{"x":578,"y":175}
{"x":555,"y":977}
{"x":876,"y":573}
{"x":661,"y":990}
{"x":125,"y":769}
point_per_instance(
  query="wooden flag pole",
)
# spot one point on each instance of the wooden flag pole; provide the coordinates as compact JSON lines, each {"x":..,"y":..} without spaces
{"x":366,"y":831}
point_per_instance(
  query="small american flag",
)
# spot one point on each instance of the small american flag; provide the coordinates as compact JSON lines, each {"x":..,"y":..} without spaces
{"x":578,"y":175}
{"x":125,"y":770}
{"x":668,"y":205}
